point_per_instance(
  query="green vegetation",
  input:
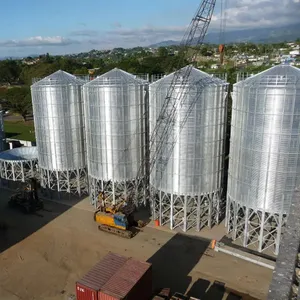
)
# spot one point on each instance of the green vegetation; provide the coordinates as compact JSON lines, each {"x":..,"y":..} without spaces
{"x":19,"y":130}
{"x":16,"y":75}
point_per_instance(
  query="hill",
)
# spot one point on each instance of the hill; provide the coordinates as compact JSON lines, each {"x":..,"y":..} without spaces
{"x":258,"y":35}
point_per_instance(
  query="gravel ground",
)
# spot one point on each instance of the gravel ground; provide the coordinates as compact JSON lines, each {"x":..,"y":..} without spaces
{"x":42,"y":256}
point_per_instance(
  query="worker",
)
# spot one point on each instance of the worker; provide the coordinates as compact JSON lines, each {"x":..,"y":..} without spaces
{"x":101,"y":201}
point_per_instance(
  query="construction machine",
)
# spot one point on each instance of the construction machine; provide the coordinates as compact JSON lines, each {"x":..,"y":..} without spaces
{"x":117,"y":219}
{"x":27,"y":200}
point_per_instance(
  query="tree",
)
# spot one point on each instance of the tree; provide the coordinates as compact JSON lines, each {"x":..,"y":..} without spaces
{"x":163,"y":52}
{"x":19,"y":100}
{"x":9,"y":71}
{"x":81,"y":71}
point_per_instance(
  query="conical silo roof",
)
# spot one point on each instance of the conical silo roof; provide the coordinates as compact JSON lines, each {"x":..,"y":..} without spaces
{"x":57,"y":78}
{"x":114,"y":77}
{"x":277,"y":75}
{"x":194,"y":77}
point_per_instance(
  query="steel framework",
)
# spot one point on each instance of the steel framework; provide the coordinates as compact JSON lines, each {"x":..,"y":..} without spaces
{"x":254,"y":228}
{"x":240,"y":76}
{"x":187,"y":212}
{"x":264,"y":156}
{"x":70,"y":181}
{"x":115,"y":191}
{"x":19,"y":164}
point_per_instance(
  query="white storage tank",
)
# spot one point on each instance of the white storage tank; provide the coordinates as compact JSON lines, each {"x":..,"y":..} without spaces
{"x":189,"y":185}
{"x":59,"y":128}
{"x":116,"y":132}
{"x":264,"y":164}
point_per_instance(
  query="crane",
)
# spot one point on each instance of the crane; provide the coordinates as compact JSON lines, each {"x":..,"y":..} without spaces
{"x":174,"y":99}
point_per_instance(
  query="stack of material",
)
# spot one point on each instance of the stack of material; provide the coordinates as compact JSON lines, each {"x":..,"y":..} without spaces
{"x":115,"y":278}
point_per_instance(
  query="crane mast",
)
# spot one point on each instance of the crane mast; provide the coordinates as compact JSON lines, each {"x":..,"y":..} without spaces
{"x":175,"y":97}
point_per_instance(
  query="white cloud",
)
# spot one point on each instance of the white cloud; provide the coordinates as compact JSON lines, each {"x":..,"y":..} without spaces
{"x":242,"y":14}
{"x":125,"y":37}
{"x":39,"y":41}
{"x":84,"y":32}
{"x":239,"y":14}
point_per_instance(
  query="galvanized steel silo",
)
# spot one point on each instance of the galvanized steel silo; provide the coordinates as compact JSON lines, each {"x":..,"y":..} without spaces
{"x":264,"y":162}
{"x":116,"y":120}
{"x":59,"y":128}
{"x":188,"y":188}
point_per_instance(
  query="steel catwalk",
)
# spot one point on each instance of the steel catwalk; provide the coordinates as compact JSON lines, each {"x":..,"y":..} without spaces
{"x":264,"y":163}
{"x":189,"y":185}
{"x":2,"y":134}
{"x":59,"y":128}
{"x":19,"y":164}
{"x":116,"y":121}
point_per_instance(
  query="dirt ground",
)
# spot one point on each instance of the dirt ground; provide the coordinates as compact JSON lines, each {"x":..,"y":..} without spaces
{"x":41,"y":257}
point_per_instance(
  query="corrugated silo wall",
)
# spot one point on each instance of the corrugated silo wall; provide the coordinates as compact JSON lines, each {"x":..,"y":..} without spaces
{"x":187,"y":178}
{"x":115,"y":121}
{"x":59,"y":128}
{"x":264,"y":156}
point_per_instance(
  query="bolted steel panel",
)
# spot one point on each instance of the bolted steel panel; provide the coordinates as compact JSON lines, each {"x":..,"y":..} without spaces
{"x":115,"y":118}
{"x":264,"y":163}
{"x":195,"y":166}
{"x":59,"y":124}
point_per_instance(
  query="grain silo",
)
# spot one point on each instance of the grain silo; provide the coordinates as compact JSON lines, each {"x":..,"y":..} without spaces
{"x":116,"y":133}
{"x":2,"y":135}
{"x":264,"y":163}
{"x":59,"y":128}
{"x":187,"y":182}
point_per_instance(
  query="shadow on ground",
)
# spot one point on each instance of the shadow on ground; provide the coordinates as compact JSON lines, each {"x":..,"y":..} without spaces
{"x":16,"y":226}
{"x":204,"y":290}
{"x":173,"y":262}
{"x":11,"y":134}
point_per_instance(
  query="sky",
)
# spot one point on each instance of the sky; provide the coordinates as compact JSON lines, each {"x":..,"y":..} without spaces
{"x":72,"y":26}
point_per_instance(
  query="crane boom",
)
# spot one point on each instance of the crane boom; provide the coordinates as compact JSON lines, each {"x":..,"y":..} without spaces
{"x":175,"y":98}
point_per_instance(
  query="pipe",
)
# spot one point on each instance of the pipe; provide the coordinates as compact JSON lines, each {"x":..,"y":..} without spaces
{"x":257,"y":262}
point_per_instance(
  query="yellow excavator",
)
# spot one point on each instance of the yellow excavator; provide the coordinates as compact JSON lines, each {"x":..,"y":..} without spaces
{"x":116,"y":219}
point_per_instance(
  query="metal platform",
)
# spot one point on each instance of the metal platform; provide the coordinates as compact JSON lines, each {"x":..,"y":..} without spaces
{"x":18,"y":164}
{"x":187,"y":212}
{"x":70,"y":181}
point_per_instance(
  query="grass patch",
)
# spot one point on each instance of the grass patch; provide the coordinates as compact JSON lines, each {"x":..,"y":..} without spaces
{"x":19,"y":130}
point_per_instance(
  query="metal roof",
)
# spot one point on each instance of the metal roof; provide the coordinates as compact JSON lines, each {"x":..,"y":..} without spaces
{"x":114,"y":77}
{"x":122,"y":282}
{"x":96,"y":277}
{"x":19,"y":154}
{"x":196,"y":76}
{"x":281,"y":75}
{"x":57,"y":78}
